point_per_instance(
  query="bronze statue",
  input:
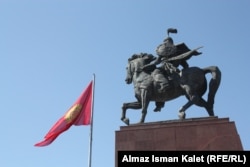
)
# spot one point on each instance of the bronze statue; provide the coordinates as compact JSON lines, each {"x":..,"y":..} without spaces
{"x":161,"y":84}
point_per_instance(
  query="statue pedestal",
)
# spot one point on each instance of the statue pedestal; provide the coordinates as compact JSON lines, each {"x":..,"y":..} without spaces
{"x":208,"y":133}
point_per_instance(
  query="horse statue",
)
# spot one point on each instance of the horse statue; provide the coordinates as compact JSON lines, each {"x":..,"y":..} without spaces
{"x":149,"y":85}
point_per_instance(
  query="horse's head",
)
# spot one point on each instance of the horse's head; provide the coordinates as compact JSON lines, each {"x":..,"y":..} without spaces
{"x":130,"y":71}
{"x":135,"y":64}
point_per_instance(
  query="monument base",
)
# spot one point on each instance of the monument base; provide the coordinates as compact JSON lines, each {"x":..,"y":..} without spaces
{"x":208,"y":133}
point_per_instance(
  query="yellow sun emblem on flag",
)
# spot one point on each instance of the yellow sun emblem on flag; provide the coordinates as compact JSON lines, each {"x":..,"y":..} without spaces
{"x":73,"y":112}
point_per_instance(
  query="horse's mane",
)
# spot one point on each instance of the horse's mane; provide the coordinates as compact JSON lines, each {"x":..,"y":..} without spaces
{"x":141,"y":55}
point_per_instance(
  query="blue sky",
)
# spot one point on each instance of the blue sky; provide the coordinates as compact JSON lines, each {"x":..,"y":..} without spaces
{"x":49,"y":50}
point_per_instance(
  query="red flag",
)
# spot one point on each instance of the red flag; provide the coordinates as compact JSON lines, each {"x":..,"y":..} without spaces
{"x":78,"y":114}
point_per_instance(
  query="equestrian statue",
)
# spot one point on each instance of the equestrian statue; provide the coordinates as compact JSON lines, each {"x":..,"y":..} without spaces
{"x":168,"y":81}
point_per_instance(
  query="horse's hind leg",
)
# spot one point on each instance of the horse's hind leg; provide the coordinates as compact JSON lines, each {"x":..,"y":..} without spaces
{"x":196,"y":99}
{"x":213,"y":84}
{"x":199,"y":101}
{"x":182,"y":114}
{"x":132,"y":105}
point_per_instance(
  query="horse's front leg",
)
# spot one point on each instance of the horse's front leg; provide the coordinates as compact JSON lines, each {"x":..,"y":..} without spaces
{"x":132,"y":105}
{"x":144,"y":103}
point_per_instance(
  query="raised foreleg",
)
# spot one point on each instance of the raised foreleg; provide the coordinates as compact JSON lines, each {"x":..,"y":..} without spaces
{"x":125,"y":106}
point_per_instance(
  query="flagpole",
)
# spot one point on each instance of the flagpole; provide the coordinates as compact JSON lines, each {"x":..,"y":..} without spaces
{"x":91,"y":123}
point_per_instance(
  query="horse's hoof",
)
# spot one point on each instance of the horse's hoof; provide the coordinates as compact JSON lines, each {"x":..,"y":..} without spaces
{"x":211,"y":112}
{"x":182,"y":115}
{"x":126,"y":121}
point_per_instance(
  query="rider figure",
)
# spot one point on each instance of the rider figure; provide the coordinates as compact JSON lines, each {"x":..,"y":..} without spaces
{"x":168,"y":50}
{"x":165,"y":51}
{"x":171,"y":56}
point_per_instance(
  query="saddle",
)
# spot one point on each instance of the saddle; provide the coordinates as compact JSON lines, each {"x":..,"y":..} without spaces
{"x":163,"y":76}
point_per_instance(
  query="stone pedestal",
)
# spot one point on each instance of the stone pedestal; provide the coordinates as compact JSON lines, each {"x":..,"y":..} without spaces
{"x":208,"y":133}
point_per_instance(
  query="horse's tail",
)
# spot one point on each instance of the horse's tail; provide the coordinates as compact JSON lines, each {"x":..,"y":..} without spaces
{"x":213,"y":84}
